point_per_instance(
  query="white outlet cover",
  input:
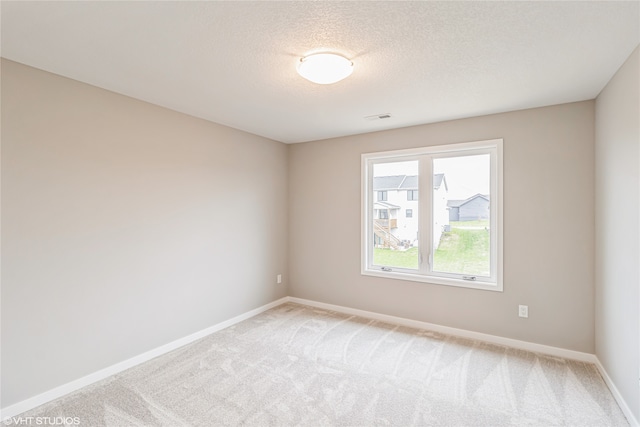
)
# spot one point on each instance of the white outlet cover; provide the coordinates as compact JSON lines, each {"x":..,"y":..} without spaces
{"x":523,"y":310}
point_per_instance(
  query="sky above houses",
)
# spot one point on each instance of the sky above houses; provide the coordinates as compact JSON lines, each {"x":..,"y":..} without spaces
{"x":465,"y":175}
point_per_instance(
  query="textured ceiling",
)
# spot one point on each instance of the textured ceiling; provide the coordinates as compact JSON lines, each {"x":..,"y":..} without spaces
{"x":234,"y":62}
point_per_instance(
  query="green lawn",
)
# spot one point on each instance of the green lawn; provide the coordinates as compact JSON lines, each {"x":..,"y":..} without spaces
{"x":391,"y":258}
{"x":461,"y":251}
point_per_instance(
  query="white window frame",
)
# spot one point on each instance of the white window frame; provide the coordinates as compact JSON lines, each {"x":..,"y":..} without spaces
{"x":424,"y":273}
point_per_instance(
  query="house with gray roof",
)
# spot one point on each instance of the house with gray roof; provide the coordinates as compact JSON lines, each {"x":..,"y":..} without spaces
{"x":476,"y":207}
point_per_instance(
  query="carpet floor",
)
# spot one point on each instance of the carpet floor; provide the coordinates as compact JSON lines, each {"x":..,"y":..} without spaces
{"x":300,"y":366}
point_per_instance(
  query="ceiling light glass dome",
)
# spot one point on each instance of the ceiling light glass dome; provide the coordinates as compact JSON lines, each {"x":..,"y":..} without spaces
{"x":325,"y":68}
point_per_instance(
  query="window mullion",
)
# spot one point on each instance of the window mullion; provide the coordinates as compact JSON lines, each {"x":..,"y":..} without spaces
{"x":424,"y":214}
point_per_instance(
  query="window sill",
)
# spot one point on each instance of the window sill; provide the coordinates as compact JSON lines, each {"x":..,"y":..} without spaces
{"x":486,"y":286}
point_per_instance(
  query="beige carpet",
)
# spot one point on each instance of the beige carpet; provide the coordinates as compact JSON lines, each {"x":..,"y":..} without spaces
{"x":296,"y":365}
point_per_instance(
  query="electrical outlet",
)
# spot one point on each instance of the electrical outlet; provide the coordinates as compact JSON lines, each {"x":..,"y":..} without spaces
{"x":523,"y":310}
{"x":279,"y":278}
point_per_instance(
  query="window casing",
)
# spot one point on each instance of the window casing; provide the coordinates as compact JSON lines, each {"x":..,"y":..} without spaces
{"x":426,"y":212}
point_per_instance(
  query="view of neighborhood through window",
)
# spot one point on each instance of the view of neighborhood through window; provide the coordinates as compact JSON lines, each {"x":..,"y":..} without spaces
{"x":461,"y":215}
{"x":395,"y":218}
{"x":434,"y":214}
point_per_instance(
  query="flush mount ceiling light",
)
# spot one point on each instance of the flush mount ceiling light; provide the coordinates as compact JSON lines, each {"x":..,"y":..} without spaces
{"x":325,"y":68}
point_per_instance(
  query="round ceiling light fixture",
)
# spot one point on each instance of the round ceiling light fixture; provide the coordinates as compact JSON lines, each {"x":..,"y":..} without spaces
{"x":325,"y":68}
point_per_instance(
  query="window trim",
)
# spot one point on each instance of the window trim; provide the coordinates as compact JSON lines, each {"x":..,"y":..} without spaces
{"x":423,"y":274}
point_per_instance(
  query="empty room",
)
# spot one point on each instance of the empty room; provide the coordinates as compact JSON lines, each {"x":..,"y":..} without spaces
{"x":320,"y":213}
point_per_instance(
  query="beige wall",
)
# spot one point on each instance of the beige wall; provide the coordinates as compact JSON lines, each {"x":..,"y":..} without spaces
{"x":618,"y":230}
{"x":548,"y":228}
{"x":125,"y":226}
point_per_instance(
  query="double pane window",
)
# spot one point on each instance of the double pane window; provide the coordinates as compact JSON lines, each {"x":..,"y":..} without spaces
{"x":441,"y":218}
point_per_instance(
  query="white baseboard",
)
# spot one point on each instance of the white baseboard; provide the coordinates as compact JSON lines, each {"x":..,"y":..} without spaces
{"x":40,"y":399}
{"x":494,"y":339}
{"x":616,"y":394}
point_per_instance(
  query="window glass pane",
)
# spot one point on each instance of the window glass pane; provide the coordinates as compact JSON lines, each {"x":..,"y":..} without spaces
{"x":461,"y":215}
{"x":395,"y":231}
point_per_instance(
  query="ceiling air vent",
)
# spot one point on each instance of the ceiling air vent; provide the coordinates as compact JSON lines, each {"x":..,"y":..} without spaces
{"x":378,"y":117}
